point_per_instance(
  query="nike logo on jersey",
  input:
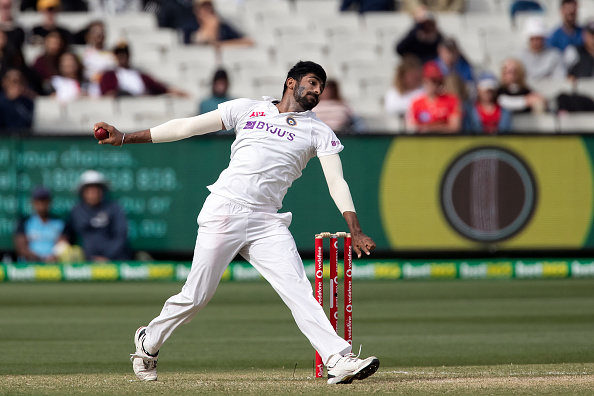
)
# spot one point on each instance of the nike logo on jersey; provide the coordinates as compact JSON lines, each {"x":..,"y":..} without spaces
{"x":269,"y":128}
{"x":257,"y":114}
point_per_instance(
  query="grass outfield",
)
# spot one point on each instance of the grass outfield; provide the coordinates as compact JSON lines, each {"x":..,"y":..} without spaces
{"x":456,"y":337}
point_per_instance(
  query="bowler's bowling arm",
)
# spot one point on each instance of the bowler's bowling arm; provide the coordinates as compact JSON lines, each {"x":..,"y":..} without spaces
{"x":341,"y":194}
{"x":171,"y":131}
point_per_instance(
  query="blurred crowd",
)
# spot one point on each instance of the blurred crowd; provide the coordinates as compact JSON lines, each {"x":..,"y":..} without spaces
{"x":435,"y":88}
{"x":96,"y":229}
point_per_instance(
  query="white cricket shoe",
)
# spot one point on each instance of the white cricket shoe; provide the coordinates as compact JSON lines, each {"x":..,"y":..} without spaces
{"x":143,"y":364}
{"x":349,"y":367}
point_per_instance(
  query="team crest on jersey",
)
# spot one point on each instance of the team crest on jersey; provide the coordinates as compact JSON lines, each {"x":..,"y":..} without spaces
{"x":291,"y":121}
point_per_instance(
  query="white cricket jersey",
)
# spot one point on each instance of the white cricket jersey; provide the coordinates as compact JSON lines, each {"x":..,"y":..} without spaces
{"x":270,"y":151}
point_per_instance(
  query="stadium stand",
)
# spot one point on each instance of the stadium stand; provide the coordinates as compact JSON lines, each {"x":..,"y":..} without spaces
{"x":358,"y":49}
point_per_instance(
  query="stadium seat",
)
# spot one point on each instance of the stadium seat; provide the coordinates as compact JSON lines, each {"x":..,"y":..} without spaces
{"x":182,"y":107}
{"x":155,"y":38}
{"x":49,"y":115}
{"x":550,"y":88}
{"x":32,"y":52}
{"x":328,"y":8}
{"x":577,"y":122}
{"x":384,"y":124}
{"x":75,"y":21}
{"x":90,"y":110}
{"x":585,"y":86}
{"x":143,"y":106}
{"x":534,"y":123}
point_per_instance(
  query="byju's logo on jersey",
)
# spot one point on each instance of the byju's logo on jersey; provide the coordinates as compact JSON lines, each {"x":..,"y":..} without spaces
{"x":257,"y":114}
{"x":269,"y":128}
{"x":335,"y":143}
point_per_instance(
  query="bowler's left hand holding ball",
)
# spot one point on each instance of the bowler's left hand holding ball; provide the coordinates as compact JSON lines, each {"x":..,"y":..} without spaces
{"x":114,"y":137}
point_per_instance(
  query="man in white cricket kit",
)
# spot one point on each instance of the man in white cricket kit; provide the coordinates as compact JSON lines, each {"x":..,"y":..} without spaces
{"x":274,"y":141}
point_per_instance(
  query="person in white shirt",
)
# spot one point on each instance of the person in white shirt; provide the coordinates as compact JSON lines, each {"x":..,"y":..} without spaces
{"x":408,"y":84}
{"x":274,"y":141}
{"x":540,"y":61}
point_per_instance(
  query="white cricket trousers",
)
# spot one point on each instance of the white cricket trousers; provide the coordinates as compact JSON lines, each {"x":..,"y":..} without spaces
{"x":263,"y":239}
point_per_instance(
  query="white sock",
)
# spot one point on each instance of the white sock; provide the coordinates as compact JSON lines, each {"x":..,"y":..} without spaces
{"x":333,"y":359}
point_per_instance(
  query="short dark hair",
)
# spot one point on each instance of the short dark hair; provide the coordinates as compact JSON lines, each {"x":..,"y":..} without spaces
{"x":567,"y":2}
{"x":302,"y":68}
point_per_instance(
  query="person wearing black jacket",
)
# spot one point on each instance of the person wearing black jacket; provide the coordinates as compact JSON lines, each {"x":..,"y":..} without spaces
{"x":99,"y":223}
{"x":423,"y":39}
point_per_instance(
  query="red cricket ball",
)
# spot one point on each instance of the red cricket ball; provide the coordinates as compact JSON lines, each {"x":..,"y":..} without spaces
{"x":101,"y":134}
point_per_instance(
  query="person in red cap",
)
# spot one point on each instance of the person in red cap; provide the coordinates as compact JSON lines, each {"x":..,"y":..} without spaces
{"x":435,"y":111}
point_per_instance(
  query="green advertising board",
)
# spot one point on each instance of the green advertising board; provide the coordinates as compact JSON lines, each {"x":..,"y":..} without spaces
{"x":412,"y":193}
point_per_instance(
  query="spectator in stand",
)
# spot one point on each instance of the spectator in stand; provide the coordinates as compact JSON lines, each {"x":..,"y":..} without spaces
{"x":539,"y":60}
{"x":335,"y":112}
{"x":434,"y":111}
{"x":363,"y":6}
{"x":408,"y":84}
{"x":36,"y":236}
{"x":99,"y":223}
{"x":219,"y":90}
{"x":451,"y":60}
{"x":127,"y":81}
{"x":422,"y":40}
{"x":47,"y":64}
{"x":175,"y":14}
{"x":209,"y":29}
{"x":96,"y":59}
{"x":15,"y":34}
{"x":69,"y":84}
{"x":486,"y":115}
{"x":437,"y":5}
{"x":569,"y":33}
{"x":67,"y":5}
{"x":583,"y":56}
{"x":514,"y":93}
{"x":50,"y":9}
{"x":16,"y":106}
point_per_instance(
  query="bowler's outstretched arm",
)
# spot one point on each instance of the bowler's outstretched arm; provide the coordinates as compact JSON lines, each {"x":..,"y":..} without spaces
{"x":341,"y":194}
{"x":170,"y":131}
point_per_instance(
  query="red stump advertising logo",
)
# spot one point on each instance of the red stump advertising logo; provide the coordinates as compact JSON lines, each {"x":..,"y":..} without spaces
{"x":488,"y":194}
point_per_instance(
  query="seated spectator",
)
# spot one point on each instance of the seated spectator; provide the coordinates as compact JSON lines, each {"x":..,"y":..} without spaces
{"x":335,"y":112}
{"x":583,"y":56}
{"x":69,"y":84}
{"x":514,"y":94}
{"x":569,"y":33}
{"x":96,"y":59}
{"x":175,"y":14}
{"x":209,"y":29}
{"x":219,"y":90}
{"x":36,"y":236}
{"x":422,"y":40}
{"x":14,"y":33}
{"x":47,"y":64}
{"x":539,"y":60}
{"x":16,"y":106}
{"x":67,"y":5}
{"x":97,"y":222}
{"x":436,"y":5}
{"x":127,"y":81}
{"x":451,"y":60}
{"x":363,"y":6}
{"x":49,"y":8}
{"x":434,"y":111}
{"x":573,"y":102}
{"x":408,"y":84}
{"x":486,"y":115}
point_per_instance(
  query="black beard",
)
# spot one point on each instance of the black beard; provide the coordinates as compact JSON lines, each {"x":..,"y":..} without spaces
{"x":306,"y":103}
